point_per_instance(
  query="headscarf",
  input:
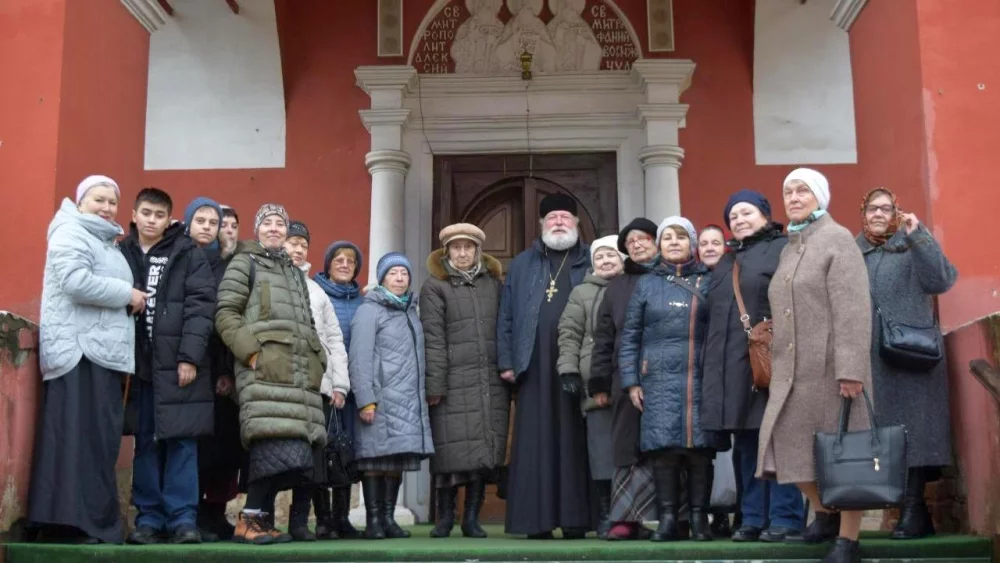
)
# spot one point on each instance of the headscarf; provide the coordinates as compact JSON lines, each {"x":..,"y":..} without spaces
{"x":894,"y":222}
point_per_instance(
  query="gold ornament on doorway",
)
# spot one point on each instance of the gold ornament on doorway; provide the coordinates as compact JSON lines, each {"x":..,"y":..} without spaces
{"x":525,"y":65}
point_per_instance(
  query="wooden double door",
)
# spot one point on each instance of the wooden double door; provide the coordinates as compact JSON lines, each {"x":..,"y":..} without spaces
{"x":501,"y":195}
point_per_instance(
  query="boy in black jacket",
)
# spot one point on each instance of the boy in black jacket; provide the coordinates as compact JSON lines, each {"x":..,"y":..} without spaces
{"x":172,"y":391}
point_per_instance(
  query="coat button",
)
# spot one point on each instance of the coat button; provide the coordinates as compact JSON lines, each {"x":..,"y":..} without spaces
{"x":788,"y":278}
{"x":788,"y":312}
{"x":791,"y":346}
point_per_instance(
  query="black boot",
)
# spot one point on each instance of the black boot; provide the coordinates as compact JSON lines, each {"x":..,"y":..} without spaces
{"x":699,"y":497}
{"x":824,"y":528}
{"x":324,"y":517}
{"x":298,"y":516}
{"x":475,"y":493}
{"x":212,"y":522}
{"x":844,"y":551}
{"x":373,"y":487}
{"x":445,"y":512}
{"x":603,"y":508}
{"x":391,"y":491}
{"x":914,"y":518}
{"x":666,"y":478}
{"x":342,"y":514}
{"x":720,"y":524}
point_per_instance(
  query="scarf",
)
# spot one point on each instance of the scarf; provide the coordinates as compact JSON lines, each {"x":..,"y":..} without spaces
{"x":403,"y":301}
{"x":794,"y":227}
{"x":468,"y":276}
{"x":894,"y":222}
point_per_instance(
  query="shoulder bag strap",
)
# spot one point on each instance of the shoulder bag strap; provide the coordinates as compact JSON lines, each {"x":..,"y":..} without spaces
{"x":744,"y":317}
{"x":681,"y":282}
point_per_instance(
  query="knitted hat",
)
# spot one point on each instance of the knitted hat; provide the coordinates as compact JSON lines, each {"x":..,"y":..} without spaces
{"x":556,"y":202}
{"x":638,"y":224}
{"x":390,"y":261}
{"x":755,"y":199}
{"x":266,"y":211}
{"x":462,"y":231}
{"x":610,"y":241}
{"x":92,"y":182}
{"x":680,"y":222}
{"x":193,"y":207}
{"x":817,"y":182}
{"x":331,"y":251}
{"x":298,"y":229}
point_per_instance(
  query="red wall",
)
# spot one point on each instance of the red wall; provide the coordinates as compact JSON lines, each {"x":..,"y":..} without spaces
{"x":325,"y":183}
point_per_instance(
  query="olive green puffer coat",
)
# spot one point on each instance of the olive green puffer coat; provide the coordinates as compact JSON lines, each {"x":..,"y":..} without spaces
{"x":459,"y":317}
{"x":279,"y":398}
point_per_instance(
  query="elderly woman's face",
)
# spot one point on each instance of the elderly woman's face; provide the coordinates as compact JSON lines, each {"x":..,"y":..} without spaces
{"x":343,"y":265}
{"x":397,"y":280}
{"x":674,"y":246}
{"x":711,"y":247}
{"x":101,"y":201}
{"x":745,"y":219}
{"x":878,"y":213}
{"x":799,"y":200}
{"x":462,"y":253}
{"x":607,"y":262}
{"x":272,"y":232}
{"x":640,"y":246}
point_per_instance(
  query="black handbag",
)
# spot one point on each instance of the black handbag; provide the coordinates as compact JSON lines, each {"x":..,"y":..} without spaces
{"x":341,"y":470}
{"x":912,"y":348}
{"x":863,"y":470}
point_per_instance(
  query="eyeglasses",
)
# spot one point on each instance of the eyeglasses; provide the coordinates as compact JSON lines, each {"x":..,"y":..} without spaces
{"x":344,"y":261}
{"x":632,"y":241}
{"x":885,"y":209}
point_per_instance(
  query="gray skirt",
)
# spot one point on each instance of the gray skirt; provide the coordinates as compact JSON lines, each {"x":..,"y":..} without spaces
{"x":391,"y":463}
{"x":602,"y":467}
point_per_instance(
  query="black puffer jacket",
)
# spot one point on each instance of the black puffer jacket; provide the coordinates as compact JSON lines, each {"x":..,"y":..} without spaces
{"x":182,"y":326}
{"x":604,"y":377}
{"x":469,"y":425}
{"x":728,"y":399}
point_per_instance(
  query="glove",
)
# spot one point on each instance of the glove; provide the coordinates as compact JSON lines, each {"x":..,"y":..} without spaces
{"x":572,"y":383}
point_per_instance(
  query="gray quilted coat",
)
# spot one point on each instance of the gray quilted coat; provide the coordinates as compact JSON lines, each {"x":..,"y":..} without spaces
{"x":460,"y":319}
{"x":386,"y":364}
{"x":86,"y":287}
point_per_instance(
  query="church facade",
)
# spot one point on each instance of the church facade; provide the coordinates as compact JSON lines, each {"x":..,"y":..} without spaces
{"x":380,"y":121}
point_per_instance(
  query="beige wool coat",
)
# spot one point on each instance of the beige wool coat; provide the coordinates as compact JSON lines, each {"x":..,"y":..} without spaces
{"x":822,"y":335}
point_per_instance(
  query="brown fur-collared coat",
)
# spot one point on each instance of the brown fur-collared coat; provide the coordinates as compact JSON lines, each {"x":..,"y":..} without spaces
{"x":822,"y":335}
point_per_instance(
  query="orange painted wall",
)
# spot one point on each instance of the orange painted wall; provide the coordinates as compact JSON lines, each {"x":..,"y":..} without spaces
{"x":30,"y":117}
{"x":325,"y":183}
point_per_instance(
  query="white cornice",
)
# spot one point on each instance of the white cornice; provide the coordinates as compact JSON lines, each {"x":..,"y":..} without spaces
{"x":846,"y":11}
{"x":147,"y":12}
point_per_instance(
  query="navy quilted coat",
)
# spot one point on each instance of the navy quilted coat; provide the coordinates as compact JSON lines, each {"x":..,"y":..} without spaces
{"x":661,"y":349}
{"x":387,"y":367}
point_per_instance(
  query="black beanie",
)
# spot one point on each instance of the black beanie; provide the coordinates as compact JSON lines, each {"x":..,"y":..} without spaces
{"x":637,"y":224}
{"x":556,"y":202}
{"x":298,"y":229}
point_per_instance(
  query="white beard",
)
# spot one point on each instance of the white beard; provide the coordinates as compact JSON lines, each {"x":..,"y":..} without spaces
{"x":560,"y":242}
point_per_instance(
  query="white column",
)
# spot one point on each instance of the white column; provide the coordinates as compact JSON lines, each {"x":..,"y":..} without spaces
{"x":662,"y":116}
{"x":387,"y":162}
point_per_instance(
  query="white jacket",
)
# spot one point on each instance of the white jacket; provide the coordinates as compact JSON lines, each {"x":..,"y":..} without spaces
{"x":336,"y":377}
{"x":85,"y":291}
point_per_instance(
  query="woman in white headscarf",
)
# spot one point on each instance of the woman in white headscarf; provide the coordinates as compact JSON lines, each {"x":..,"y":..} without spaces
{"x":87,"y":346}
{"x":821,"y":348}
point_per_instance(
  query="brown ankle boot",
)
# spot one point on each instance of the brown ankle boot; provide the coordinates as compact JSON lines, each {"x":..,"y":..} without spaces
{"x":251,"y":528}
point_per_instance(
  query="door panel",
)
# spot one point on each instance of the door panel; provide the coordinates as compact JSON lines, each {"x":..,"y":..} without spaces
{"x":501,"y":195}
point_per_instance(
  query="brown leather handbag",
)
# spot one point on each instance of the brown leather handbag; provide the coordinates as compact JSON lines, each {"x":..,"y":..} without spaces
{"x":759,"y":337}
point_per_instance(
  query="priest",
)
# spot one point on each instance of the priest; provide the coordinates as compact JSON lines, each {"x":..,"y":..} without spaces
{"x":548,"y":482}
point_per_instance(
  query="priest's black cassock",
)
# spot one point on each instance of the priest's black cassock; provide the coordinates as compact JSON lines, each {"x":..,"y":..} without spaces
{"x":549,"y":480}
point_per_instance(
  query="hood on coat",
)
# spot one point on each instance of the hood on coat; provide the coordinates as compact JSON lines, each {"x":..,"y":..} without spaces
{"x":595,"y":279}
{"x":174,"y":233}
{"x":381,"y":299}
{"x":68,"y":213}
{"x":435,"y":265}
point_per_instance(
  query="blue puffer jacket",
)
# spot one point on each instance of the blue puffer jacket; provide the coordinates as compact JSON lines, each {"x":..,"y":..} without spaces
{"x":345,"y":298}
{"x":661,"y":349}
{"x":523,"y":289}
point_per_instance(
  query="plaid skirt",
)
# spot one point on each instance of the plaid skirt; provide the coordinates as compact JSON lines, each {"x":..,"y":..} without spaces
{"x":390,"y":463}
{"x":633,"y":494}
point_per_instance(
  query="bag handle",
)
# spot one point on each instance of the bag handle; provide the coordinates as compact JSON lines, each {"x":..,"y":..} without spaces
{"x":744,"y":317}
{"x":681,"y":282}
{"x":335,"y":419}
{"x":845,"y":414}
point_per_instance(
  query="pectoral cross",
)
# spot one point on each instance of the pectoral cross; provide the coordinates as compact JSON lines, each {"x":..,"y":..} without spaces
{"x":551,"y":290}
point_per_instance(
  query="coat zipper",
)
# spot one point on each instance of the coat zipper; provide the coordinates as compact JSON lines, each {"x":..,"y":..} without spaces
{"x":420,"y":400}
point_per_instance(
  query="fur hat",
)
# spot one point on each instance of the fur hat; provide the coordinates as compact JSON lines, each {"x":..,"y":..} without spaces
{"x":556,"y":202}
{"x":462,"y":231}
{"x":817,"y":182}
{"x":266,"y":211}
{"x":390,"y":261}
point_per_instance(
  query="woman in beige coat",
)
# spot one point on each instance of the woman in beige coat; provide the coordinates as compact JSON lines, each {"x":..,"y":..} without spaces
{"x":821,"y":349}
